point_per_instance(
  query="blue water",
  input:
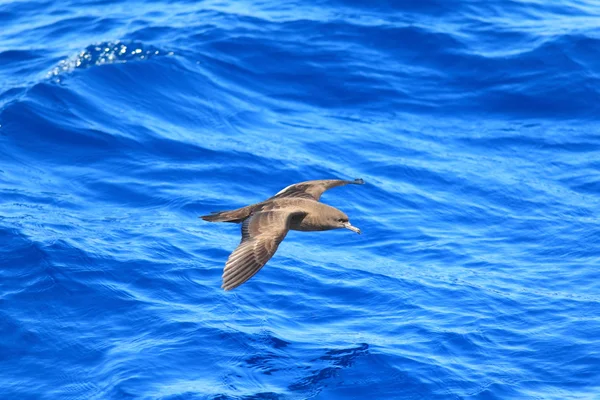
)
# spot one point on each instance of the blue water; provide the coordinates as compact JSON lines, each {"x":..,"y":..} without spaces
{"x":474,"y":124}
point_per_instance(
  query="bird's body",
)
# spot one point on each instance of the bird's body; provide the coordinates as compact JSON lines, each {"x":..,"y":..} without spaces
{"x":265,"y":224}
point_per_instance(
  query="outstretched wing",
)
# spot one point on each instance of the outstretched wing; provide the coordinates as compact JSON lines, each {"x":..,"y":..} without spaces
{"x":313,"y":189}
{"x":261,"y":235}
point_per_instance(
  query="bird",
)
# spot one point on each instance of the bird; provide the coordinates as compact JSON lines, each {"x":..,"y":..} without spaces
{"x":265,"y":225}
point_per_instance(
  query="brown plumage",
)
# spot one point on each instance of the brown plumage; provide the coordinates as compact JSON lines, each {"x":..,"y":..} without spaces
{"x":265,"y":224}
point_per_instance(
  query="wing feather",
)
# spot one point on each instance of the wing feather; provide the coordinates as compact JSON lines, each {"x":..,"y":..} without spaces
{"x":261,"y":235}
{"x":313,"y":189}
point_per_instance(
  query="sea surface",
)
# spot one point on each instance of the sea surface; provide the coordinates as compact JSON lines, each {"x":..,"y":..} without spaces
{"x":475,"y":125}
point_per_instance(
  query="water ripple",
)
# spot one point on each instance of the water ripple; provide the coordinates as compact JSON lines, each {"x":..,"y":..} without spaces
{"x":473,"y":124}
{"x":107,"y":53}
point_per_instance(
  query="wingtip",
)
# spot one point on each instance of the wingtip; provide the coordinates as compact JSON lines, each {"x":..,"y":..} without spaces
{"x":227,"y":286}
{"x":359,"y":181}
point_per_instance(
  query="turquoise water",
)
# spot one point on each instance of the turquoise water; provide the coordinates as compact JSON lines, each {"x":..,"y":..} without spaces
{"x":474,"y":125}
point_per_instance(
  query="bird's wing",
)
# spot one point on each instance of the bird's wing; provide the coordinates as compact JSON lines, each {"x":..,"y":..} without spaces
{"x":313,"y":189}
{"x":261,"y":235}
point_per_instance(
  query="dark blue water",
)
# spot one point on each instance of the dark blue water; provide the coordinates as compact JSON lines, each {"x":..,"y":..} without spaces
{"x":474,"y":123}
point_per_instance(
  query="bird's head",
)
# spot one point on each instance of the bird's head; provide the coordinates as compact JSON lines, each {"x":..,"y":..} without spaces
{"x":340,"y":220}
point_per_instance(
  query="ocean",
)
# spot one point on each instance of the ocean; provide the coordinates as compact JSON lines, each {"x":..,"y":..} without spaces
{"x":473,"y":123}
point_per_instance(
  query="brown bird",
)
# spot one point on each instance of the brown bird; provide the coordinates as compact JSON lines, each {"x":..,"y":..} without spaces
{"x":265,"y":224}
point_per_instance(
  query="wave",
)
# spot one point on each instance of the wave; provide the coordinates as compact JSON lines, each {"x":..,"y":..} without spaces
{"x":473,"y":125}
{"x":107,"y":53}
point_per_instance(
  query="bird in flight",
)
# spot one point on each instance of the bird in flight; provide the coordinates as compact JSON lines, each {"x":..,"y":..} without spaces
{"x":265,"y":224}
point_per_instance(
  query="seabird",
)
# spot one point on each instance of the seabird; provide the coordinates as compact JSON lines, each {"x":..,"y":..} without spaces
{"x":265,"y":224}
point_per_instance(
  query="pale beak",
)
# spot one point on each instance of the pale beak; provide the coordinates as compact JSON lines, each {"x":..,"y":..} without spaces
{"x":347,"y":225}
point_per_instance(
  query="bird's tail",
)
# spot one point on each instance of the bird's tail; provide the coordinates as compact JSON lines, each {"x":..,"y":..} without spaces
{"x":236,"y":216}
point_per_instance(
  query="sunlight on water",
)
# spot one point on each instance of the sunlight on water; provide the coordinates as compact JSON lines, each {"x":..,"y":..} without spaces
{"x":107,"y":53}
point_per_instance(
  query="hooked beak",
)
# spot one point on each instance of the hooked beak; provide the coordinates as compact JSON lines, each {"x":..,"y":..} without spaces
{"x":347,"y":225}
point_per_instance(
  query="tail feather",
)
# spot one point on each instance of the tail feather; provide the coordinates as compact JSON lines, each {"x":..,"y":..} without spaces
{"x":235,"y":216}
